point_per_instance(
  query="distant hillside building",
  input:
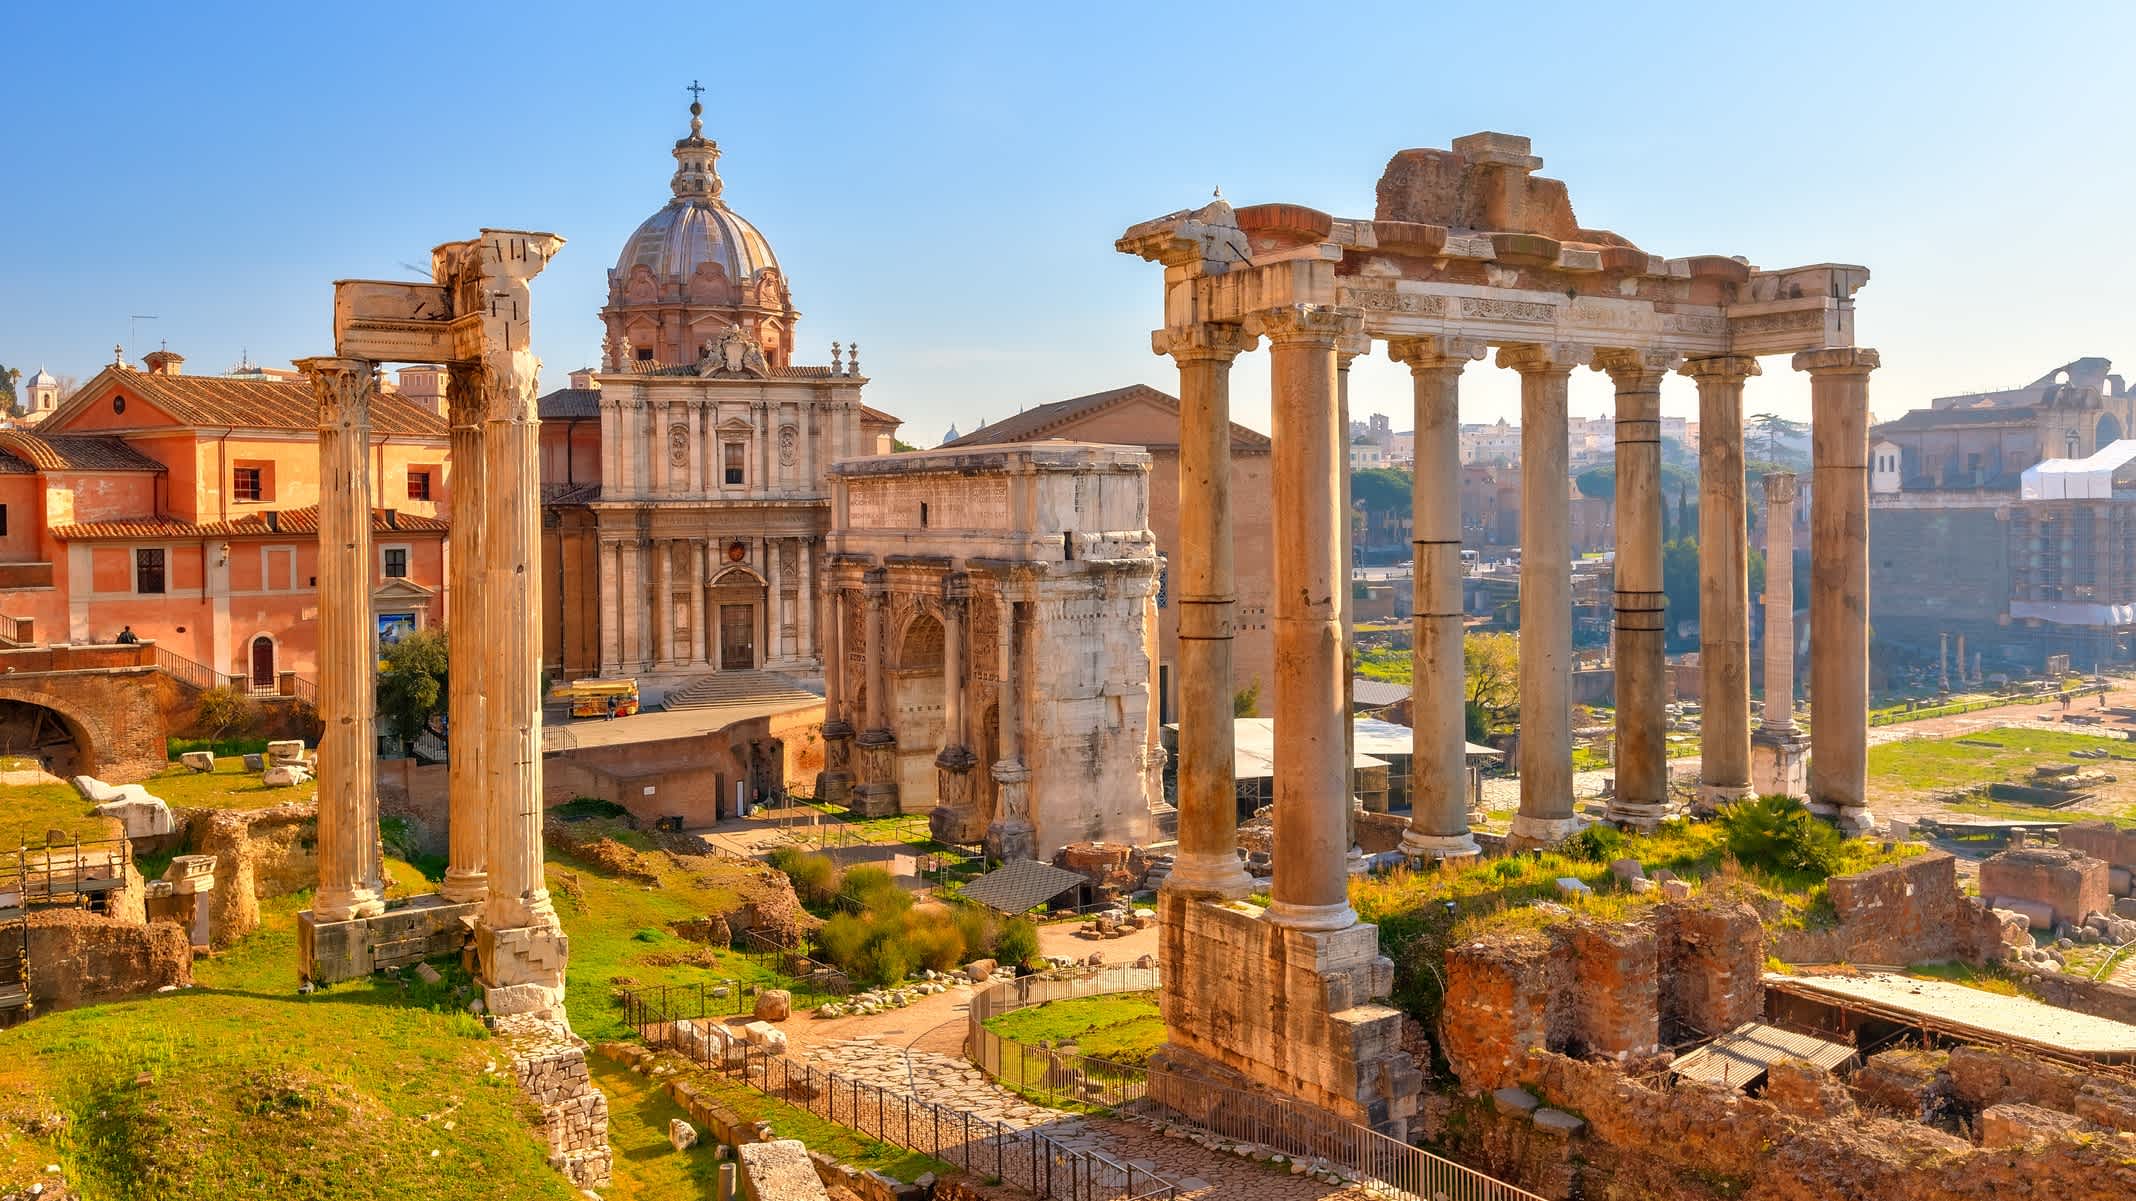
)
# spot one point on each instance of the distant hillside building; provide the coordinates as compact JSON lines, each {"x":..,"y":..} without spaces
{"x":2009,"y":519}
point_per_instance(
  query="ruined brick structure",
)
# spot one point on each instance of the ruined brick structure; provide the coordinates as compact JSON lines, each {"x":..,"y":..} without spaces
{"x":1900,"y":913}
{"x":2070,"y":883}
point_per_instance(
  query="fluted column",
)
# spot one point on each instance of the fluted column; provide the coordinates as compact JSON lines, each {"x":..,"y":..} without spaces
{"x":1347,"y":348}
{"x":1642,"y":756}
{"x":610,"y":613}
{"x":1546,"y":813}
{"x":519,"y":945}
{"x":467,"y":780}
{"x":1777,"y":748}
{"x":1312,"y":774}
{"x":775,"y":599}
{"x":664,"y":601}
{"x":701,"y":641}
{"x":1011,"y":836}
{"x":1204,"y":595}
{"x":956,"y":816}
{"x":1723,"y":580}
{"x":807,"y":648}
{"x":350,"y":883}
{"x":877,"y":794}
{"x":1438,"y":762}
{"x":1839,"y":582}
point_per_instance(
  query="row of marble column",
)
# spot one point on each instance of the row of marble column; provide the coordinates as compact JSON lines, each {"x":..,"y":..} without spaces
{"x":494,"y":706}
{"x":1312,"y":786}
{"x":638,"y":458}
{"x":637,"y":598}
{"x":956,"y":817}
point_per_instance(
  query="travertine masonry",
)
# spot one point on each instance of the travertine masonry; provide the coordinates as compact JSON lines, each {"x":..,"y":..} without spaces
{"x":550,"y":1065}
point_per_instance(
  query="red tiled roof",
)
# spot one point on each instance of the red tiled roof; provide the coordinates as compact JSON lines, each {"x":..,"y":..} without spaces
{"x":1051,"y":420}
{"x":22,"y":452}
{"x":874,"y":414}
{"x":263,"y":404}
{"x":273,"y":523}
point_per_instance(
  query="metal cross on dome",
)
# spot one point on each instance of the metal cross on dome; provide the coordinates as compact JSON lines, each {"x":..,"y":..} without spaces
{"x":696,"y":91}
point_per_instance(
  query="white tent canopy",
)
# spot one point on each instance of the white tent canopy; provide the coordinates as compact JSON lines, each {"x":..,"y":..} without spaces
{"x":2077,"y":479}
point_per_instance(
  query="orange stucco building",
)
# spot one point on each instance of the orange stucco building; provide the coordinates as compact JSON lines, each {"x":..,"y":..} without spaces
{"x":186,"y":508}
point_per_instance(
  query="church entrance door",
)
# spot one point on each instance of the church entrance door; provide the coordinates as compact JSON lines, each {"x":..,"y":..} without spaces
{"x":737,"y":637}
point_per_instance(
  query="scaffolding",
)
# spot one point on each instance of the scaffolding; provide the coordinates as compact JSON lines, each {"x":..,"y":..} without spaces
{"x":69,"y":874}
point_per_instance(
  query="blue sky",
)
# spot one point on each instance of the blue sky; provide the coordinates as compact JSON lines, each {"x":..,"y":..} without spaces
{"x":943,"y":182}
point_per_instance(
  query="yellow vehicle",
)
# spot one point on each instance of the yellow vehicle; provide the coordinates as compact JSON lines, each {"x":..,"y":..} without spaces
{"x":603,"y":698}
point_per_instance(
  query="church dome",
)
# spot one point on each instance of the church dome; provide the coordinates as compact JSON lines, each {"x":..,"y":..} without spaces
{"x":689,"y":232}
{"x":43,"y":379}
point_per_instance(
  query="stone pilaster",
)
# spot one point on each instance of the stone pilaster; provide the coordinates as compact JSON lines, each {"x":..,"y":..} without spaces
{"x":520,"y":947}
{"x":1642,"y":758}
{"x":1204,"y":594}
{"x":1839,"y":582}
{"x":664,"y":602}
{"x":1438,"y":774}
{"x":1545,"y":753}
{"x":610,"y":609}
{"x":1777,"y":749}
{"x":956,"y":817}
{"x":1723,"y":580}
{"x":1011,"y":835}
{"x":1312,"y":778}
{"x":467,"y":779}
{"x":877,"y":794}
{"x":349,"y":870}
{"x":835,"y":785}
{"x":702,"y":643}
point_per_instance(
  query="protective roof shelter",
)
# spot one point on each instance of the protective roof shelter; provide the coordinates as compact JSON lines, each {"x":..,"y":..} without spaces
{"x":1739,"y":1058}
{"x":2088,"y":478}
{"x":1022,"y":885}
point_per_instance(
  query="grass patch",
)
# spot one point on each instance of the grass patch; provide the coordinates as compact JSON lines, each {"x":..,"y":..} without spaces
{"x":229,"y":786}
{"x":1587,"y":758}
{"x":28,"y":811}
{"x":1919,"y":766}
{"x":789,"y":1121}
{"x":1123,"y":1027}
{"x":1994,"y":977}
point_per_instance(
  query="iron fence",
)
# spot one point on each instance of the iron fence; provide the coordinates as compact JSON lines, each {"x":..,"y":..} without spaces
{"x":809,"y":977}
{"x":1314,"y":1137}
{"x":1025,"y":1158}
{"x":1055,"y":1077}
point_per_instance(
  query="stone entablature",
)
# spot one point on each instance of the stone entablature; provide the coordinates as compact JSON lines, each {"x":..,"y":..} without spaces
{"x":992,"y":627}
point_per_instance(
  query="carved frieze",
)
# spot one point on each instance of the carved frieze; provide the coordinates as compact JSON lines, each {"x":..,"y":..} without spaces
{"x":1491,"y":308}
{"x":678,"y":441}
{"x":1387,"y":300}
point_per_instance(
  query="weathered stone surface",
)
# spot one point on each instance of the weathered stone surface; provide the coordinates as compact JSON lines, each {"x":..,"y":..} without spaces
{"x":780,"y":1171}
{"x":1808,"y":1090}
{"x":285,"y":775}
{"x":2014,"y":1124}
{"x":2070,"y":882}
{"x":139,"y":814}
{"x":774,"y":1005}
{"x":1902,"y":912}
{"x":1909,"y":1082}
{"x":287,"y":751}
{"x":259,"y":854}
{"x":2101,"y":840}
{"x":1514,"y":1100}
{"x":200,"y":761}
{"x":79,"y":957}
{"x":681,"y":1135}
{"x":549,"y":1063}
{"x":1712,"y":965}
{"x":1558,"y":1122}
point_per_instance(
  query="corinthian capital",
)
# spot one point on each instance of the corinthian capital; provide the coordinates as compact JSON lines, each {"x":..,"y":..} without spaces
{"x":1721,"y":366}
{"x":1207,"y":341}
{"x":1780,"y":487}
{"x":1637,"y":370}
{"x":1838,"y":360}
{"x":1436,"y":353}
{"x":1544,"y":358}
{"x":344,"y":389}
{"x":1316,"y":325}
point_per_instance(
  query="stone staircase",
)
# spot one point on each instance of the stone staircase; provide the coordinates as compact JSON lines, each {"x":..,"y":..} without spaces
{"x":738,"y":688}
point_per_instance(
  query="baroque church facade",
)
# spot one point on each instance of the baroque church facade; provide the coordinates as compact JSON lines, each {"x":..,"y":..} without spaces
{"x":685,"y":478}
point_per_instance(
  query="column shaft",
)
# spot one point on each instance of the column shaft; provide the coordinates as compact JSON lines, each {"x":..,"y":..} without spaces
{"x":467,"y":822}
{"x":1438,"y":771}
{"x":610,"y":613}
{"x":1839,"y":581}
{"x":1780,"y":601}
{"x":1723,"y":580}
{"x":1312,"y":774}
{"x":1207,"y":862}
{"x":664,"y":600}
{"x":1642,"y":762}
{"x":775,"y":599}
{"x":1545,"y":751}
{"x":808,"y":648}
{"x":349,"y":868}
{"x":700,"y":649}
{"x":953,"y":674}
{"x":1011,"y":835}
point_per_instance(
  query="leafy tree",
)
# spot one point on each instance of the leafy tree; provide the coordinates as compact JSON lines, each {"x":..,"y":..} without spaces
{"x":224,"y":712}
{"x":411,"y":683}
{"x":1679,"y":584}
{"x":1490,"y":665}
{"x":1686,"y":517}
{"x":1246,"y":702}
{"x":900,"y":446}
{"x":1017,"y":943}
{"x":1382,"y":489}
{"x":8,"y":376}
{"x":1774,"y":434}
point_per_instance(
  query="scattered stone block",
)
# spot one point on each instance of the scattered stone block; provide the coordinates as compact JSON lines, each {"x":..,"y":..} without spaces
{"x":780,"y":1170}
{"x":1511,"y":1100}
{"x":286,"y":751}
{"x":774,"y":1005}
{"x":980,"y":970}
{"x":681,"y":1135}
{"x":2037,"y":915}
{"x":201,"y":761}
{"x":2071,"y":883}
{"x":1558,"y":1122}
{"x":1675,"y":890}
{"x":285,"y":775}
{"x":2125,"y":907}
{"x":1627,"y":870}
{"x":140,"y":814}
{"x":96,"y":791}
{"x":1573,"y":887}
{"x":427,"y":974}
{"x":2014,"y":1124}
{"x":2120,"y":881}
{"x":255,"y":763}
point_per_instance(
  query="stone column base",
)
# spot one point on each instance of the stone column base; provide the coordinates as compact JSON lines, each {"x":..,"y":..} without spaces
{"x":428,"y":927}
{"x":1256,"y":1005}
{"x":877,"y":794}
{"x":1012,"y":836}
{"x":1543,"y":831}
{"x":521,"y":969}
{"x":1218,"y":875}
{"x":464,"y":887}
{"x":1712,"y":798}
{"x":1779,"y":764}
{"x":955,"y":817}
{"x":1644,"y":817}
{"x":1851,"y":819}
{"x":1441,"y":847}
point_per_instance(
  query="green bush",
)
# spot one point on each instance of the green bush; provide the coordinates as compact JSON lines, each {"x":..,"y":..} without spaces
{"x":935,"y":945}
{"x":1017,"y":943}
{"x":1779,"y":834}
{"x":586,"y":808}
{"x":973,"y":926}
{"x":815,"y":878}
{"x":1598,"y":843}
{"x":220,"y":747}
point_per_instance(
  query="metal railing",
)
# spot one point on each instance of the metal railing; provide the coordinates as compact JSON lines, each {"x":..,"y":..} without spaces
{"x":809,"y":977}
{"x":1055,"y":1077}
{"x":1027,"y":1158}
{"x":1312,"y":1136}
{"x":77,"y":872}
{"x":195,"y":674}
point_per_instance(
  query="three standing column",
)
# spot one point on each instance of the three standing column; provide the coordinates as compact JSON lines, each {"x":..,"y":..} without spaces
{"x":1642,"y":765}
{"x":1545,"y":751}
{"x":1312,"y":771}
{"x":1839,"y":583}
{"x":1438,"y":773}
{"x":1207,"y":862}
{"x":467,"y":823}
{"x":350,"y":884}
{"x":1723,"y":580}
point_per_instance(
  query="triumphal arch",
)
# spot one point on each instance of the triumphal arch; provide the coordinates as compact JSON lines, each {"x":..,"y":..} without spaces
{"x":1468,"y":250}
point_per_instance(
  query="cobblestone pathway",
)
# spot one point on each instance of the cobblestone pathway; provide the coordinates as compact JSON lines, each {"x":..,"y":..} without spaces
{"x":1200,"y":1173}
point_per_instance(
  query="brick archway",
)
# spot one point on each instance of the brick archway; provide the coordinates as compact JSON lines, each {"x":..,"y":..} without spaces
{"x":88,"y":735}
{"x":115,"y":720}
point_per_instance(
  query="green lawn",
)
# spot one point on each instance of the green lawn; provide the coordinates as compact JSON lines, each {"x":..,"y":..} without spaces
{"x":28,"y":811}
{"x":1925,"y":765}
{"x":229,"y":786}
{"x":1125,"y":1027}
